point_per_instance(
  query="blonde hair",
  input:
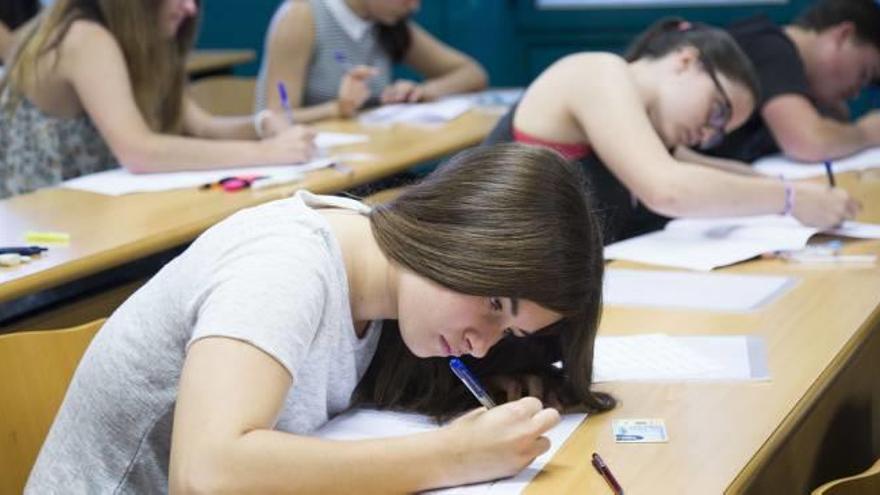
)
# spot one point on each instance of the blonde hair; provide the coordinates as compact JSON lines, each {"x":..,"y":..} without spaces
{"x":155,"y":65}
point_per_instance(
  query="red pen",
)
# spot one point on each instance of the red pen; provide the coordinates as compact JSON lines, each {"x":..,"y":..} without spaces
{"x":600,"y":466}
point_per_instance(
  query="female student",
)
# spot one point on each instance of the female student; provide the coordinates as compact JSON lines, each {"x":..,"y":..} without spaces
{"x":681,"y":86}
{"x":94,"y":84}
{"x":334,"y":55}
{"x":212,"y":375}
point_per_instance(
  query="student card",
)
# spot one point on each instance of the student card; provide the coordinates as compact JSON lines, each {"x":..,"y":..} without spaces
{"x":639,"y":430}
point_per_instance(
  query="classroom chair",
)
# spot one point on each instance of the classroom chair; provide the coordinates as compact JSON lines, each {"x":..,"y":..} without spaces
{"x":860,"y":484}
{"x":225,"y":95}
{"x":35,"y":369}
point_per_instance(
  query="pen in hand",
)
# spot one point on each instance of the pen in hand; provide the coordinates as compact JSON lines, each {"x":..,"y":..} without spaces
{"x":830,"y":173}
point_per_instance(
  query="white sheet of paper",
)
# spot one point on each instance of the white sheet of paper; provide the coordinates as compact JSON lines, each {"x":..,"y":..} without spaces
{"x":437,"y":112}
{"x":778,"y":165}
{"x":659,"y":357}
{"x":361,"y":424}
{"x":689,"y":290}
{"x":705,"y":244}
{"x":325,"y":140}
{"x":119,"y":181}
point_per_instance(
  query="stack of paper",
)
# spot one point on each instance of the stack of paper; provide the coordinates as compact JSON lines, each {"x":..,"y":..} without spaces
{"x":659,"y":357}
{"x":704,"y":244}
{"x":688,"y":290}
{"x":779,"y":165}
{"x":119,"y":181}
{"x":360,"y":424}
{"x":437,"y":112}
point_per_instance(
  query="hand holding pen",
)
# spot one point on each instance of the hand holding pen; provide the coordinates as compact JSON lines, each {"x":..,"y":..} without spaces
{"x":354,"y":90}
{"x":497,"y":441}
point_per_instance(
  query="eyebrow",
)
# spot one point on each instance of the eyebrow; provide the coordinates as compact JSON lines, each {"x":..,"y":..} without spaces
{"x":514,"y":306}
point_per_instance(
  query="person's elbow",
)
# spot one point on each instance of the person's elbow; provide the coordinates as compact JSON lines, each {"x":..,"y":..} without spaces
{"x":137,"y":155}
{"x":666,"y":201}
{"x":481,"y":77}
{"x":196,"y":474}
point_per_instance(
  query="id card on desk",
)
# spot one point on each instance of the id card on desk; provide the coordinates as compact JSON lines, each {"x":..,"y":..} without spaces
{"x":639,"y":430}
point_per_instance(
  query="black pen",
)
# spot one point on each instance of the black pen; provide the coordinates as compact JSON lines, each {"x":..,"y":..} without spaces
{"x":830,"y":173}
{"x":23,"y":250}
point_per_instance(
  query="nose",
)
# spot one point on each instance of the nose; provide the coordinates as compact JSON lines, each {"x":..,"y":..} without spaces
{"x":478,"y":342}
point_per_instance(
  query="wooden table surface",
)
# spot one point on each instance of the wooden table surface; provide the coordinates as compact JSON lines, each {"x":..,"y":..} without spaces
{"x":108,"y":231}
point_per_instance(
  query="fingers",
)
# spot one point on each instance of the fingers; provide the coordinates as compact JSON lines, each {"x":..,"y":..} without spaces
{"x":543,"y":421}
{"x":541,"y":445}
{"x":402,"y":91}
{"x":362,"y":72}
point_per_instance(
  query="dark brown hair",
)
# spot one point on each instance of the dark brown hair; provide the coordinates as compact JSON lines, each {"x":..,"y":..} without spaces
{"x":863,"y":14}
{"x":395,"y":39}
{"x":716,"y":45}
{"x":503,"y":221}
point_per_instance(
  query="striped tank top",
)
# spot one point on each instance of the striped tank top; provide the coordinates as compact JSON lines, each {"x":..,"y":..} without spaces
{"x":334,"y":51}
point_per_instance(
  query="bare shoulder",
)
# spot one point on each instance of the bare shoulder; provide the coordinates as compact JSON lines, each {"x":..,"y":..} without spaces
{"x":592,"y":65}
{"x":294,"y":14}
{"x":85,"y":35}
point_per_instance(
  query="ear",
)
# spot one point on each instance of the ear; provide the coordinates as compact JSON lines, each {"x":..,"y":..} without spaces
{"x":685,"y":58}
{"x":841,"y":33}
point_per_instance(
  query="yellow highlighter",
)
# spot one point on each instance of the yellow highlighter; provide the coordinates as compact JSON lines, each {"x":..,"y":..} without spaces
{"x":47,"y":237}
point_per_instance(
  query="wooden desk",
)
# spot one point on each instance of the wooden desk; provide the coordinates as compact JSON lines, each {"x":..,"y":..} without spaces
{"x":109,"y":231}
{"x":207,"y":62}
{"x":749,"y":437}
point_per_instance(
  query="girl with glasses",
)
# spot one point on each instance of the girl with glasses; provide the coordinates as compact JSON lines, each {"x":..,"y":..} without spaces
{"x":633,"y":122}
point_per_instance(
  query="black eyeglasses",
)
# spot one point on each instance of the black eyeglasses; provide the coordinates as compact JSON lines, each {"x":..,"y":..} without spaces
{"x":721,"y":112}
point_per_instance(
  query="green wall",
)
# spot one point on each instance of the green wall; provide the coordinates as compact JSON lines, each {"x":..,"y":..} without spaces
{"x":512,"y":38}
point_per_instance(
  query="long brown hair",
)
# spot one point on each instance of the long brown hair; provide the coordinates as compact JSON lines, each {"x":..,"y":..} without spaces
{"x":504,"y":221}
{"x":155,"y":65}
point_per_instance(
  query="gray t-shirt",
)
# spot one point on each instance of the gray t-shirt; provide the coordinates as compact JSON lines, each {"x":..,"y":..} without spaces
{"x":272,"y":276}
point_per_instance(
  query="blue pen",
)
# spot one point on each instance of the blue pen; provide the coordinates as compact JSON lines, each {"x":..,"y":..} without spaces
{"x":285,"y":102}
{"x":830,"y":173}
{"x":464,"y":374}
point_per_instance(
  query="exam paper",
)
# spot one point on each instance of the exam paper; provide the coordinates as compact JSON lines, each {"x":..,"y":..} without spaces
{"x":360,"y":424}
{"x":779,"y":165}
{"x":708,"y":243}
{"x":659,"y":357}
{"x":437,"y":112}
{"x":689,"y":290}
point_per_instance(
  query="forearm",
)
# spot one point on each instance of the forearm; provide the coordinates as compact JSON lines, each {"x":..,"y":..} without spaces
{"x":265,"y":461}
{"x":469,"y":77}
{"x":685,"y":154}
{"x":167,"y":153}
{"x":240,"y":127}
{"x":314,"y":113}
{"x":829,"y":140}
{"x":690,"y":190}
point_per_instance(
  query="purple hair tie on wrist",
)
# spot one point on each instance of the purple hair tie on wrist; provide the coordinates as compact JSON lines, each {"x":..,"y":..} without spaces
{"x":789,"y":198}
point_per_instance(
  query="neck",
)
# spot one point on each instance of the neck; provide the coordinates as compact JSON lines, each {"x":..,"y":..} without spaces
{"x":645,"y":74}
{"x":372,"y":278}
{"x":806,"y":43}
{"x":358,"y":7}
